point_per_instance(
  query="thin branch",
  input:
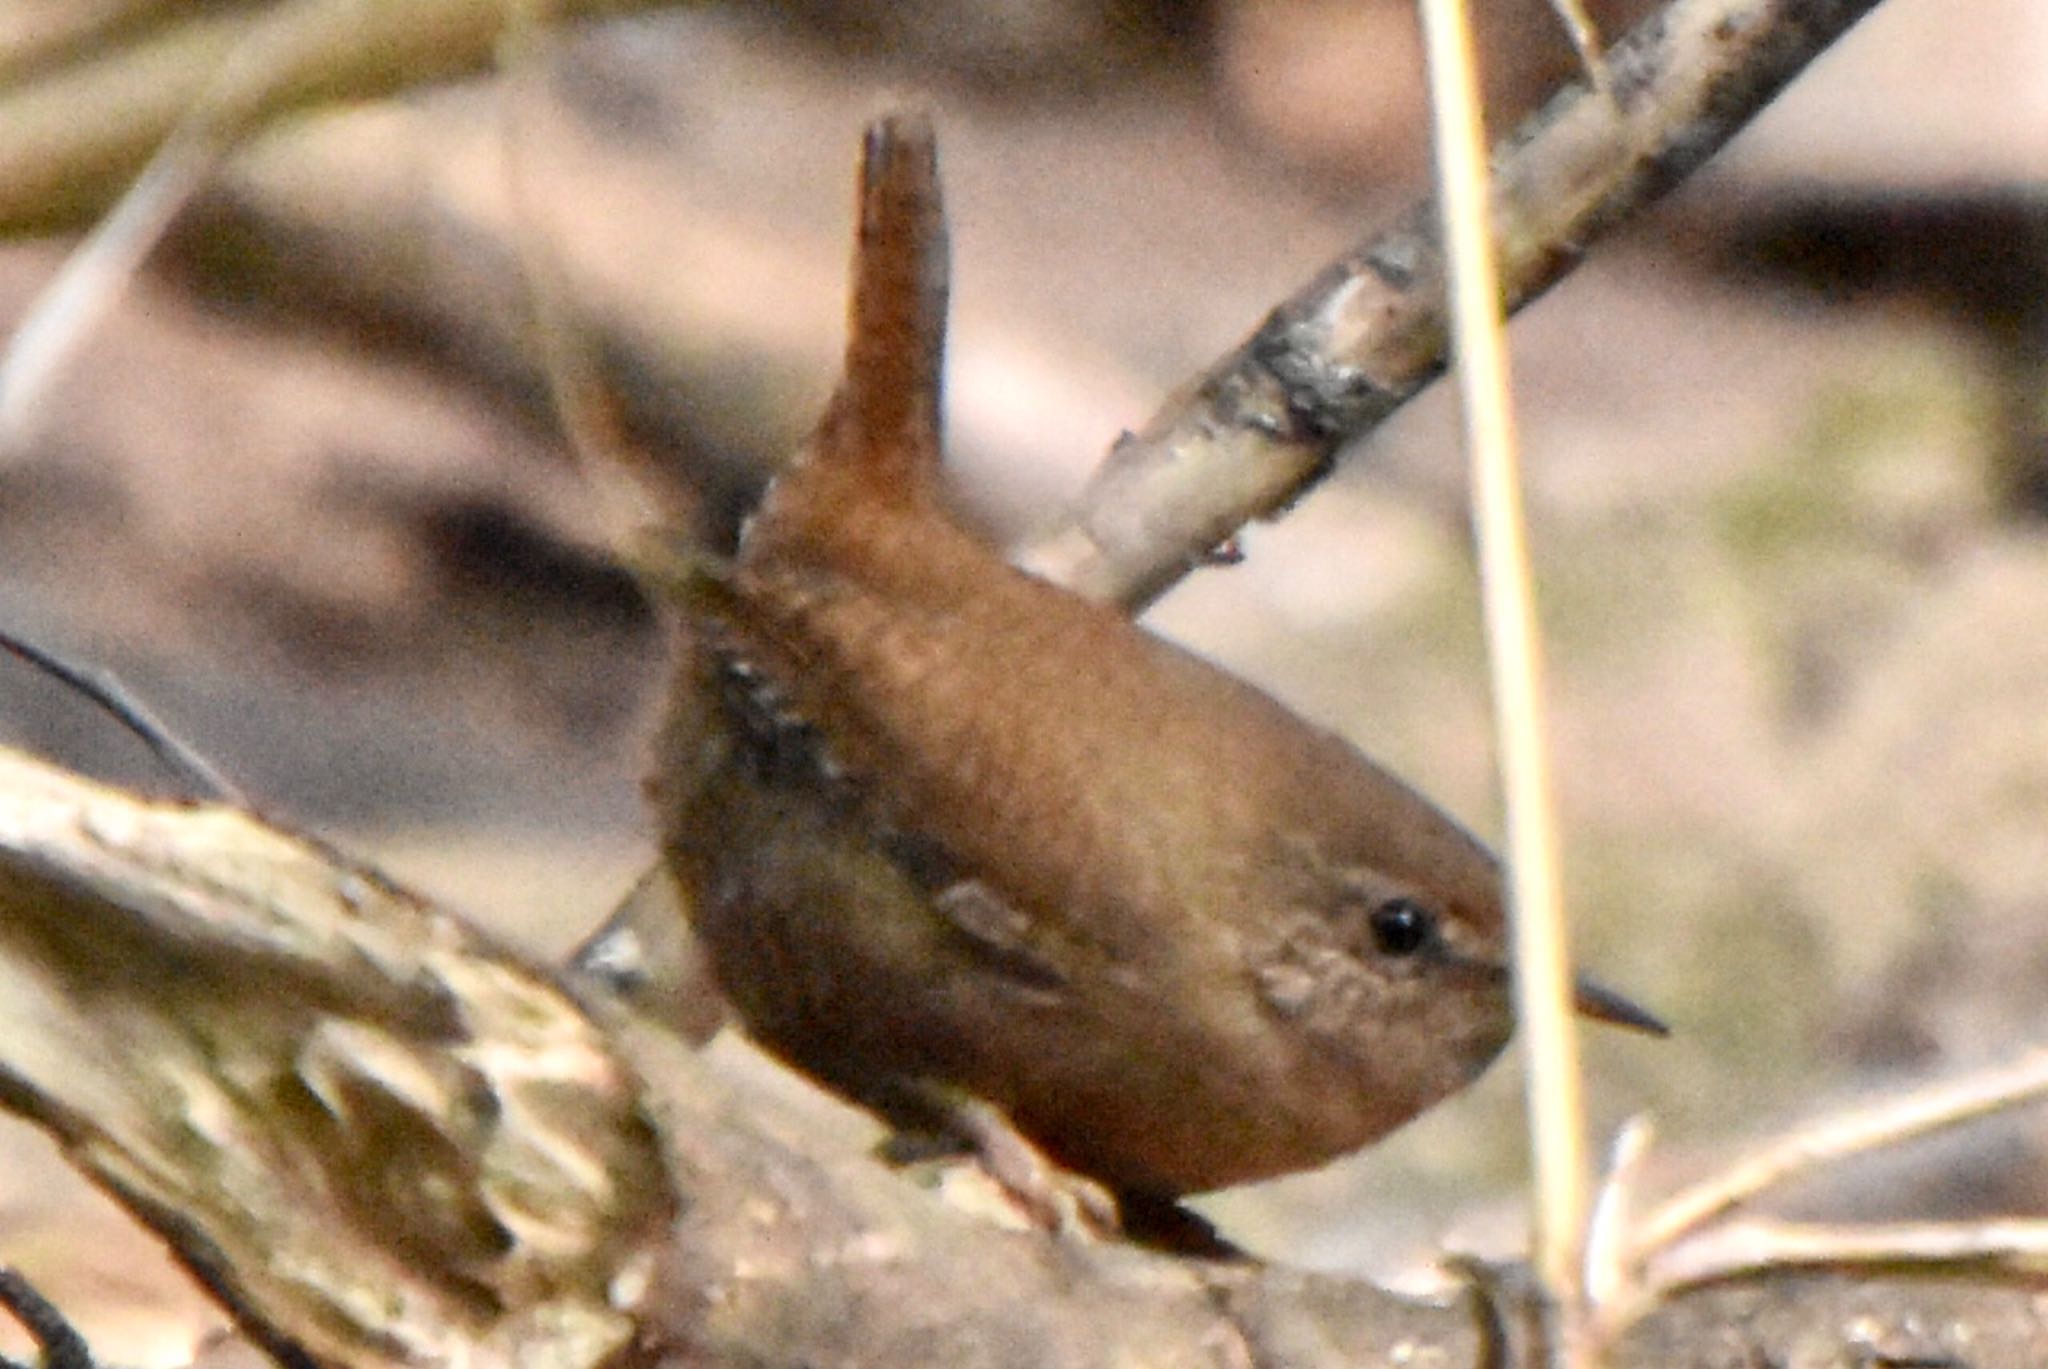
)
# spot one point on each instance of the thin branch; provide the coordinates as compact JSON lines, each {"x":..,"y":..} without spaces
{"x":1890,"y":1122}
{"x":36,"y":35}
{"x":2012,"y":1247}
{"x":241,"y":70}
{"x":107,"y":693}
{"x":52,"y":1331}
{"x":235,"y":87}
{"x":1368,"y":333}
{"x":1631,"y":1273}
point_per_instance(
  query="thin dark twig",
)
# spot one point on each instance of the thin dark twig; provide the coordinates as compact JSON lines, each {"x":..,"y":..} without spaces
{"x":101,"y":688}
{"x":61,"y":1345}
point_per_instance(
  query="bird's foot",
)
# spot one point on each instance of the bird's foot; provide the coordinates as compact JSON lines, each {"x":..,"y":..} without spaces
{"x":1048,"y":1196}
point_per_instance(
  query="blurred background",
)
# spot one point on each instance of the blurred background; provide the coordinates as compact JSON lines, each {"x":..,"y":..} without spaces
{"x":1787,"y":435}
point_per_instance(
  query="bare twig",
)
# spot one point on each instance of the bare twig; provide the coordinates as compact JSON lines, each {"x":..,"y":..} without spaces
{"x":2014,"y":1247}
{"x":1369,"y":332}
{"x":1631,"y":1272}
{"x":1948,"y":1103}
{"x":54,"y":1335}
{"x":102,"y":689}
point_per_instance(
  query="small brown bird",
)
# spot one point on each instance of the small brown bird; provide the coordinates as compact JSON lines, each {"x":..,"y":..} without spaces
{"x":953,"y":835}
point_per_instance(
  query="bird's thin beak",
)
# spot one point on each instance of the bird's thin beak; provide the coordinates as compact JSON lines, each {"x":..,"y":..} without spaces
{"x":1605,"y":1005}
{"x":1589,"y":997}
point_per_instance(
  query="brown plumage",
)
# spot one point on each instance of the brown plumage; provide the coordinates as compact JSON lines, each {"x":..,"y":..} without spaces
{"x":951,"y":831}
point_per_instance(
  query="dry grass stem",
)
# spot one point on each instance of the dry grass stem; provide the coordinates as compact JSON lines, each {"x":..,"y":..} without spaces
{"x":1889,"y":1122}
{"x":1543,"y":978}
{"x":638,"y":498}
{"x":91,"y":281}
{"x":2012,"y":1247}
{"x":1585,"y":40}
{"x":236,"y":86}
{"x":1633,"y":1268}
{"x":1607,"y":1227}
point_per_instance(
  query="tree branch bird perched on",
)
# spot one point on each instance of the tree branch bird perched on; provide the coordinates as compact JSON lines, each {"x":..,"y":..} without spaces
{"x":955,"y":838}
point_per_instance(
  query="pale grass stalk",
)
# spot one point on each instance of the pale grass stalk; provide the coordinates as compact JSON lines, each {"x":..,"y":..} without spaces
{"x":636,"y":500}
{"x":2014,"y":1246}
{"x":1607,"y":1265}
{"x":1633,"y":1267}
{"x":523,"y":54}
{"x":1585,"y":40}
{"x":92,"y":280}
{"x":98,"y":271}
{"x":1542,"y":971}
{"x":1939,"y":1106}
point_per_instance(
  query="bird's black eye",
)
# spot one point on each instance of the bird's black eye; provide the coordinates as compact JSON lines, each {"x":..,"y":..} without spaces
{"x":1401,"y":926}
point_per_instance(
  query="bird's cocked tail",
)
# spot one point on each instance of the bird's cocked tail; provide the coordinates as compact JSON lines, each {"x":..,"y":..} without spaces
{"x":879,"y":439}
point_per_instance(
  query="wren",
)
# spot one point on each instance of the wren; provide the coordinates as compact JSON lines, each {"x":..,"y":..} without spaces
{"x":949,"y":832}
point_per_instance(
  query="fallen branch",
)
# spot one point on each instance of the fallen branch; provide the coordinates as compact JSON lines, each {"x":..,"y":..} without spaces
{"x":381,"y":1139}
{"x":376,"y":1137}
